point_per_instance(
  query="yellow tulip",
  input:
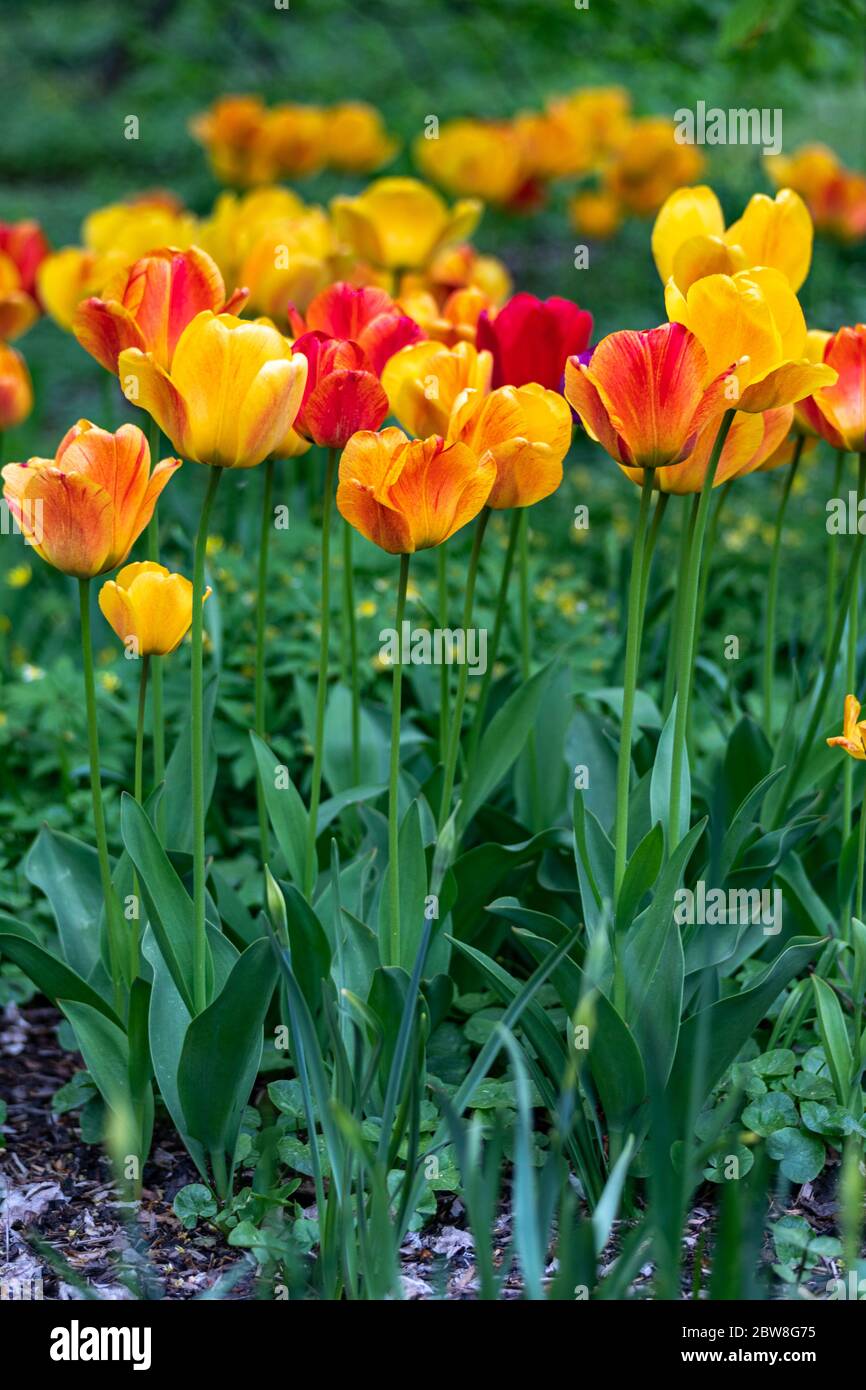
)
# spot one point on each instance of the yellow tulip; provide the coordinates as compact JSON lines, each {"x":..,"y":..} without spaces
{"x":238,"y":221}
{"x":526,"y":430}
{"x":753,"y":323}
{"x":289,"y":263}
{"x":689,"y":239}
{"x":853,"y":733}
{"x":423,"y":381}
{"x":356,"y":139}
{"x":233,"y":393}
{"x":401,"y":223}
{"x":148,"y":607}
{"x":472,"y":158}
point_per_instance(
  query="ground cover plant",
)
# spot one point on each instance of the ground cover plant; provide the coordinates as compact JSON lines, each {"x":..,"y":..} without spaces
{"x":432,"y":829}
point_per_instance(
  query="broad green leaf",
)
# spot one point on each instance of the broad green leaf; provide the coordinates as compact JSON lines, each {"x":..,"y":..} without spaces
{"x":412,"y":893}
{"x":660,"y":783}
{"x":834,"y":1036}
{"x":176,"y":806}
{"x":800,"y":1155}
{"x":67,"y":872}
{"x":641,"y":873}
{"x":286,"y":811}
{"x":169,"y":906}
{"x":51,"y":975}
{"x":501,"y":742}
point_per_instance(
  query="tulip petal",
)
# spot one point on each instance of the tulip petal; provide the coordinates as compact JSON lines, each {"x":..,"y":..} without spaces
{"x":147,"y":385}
{"x":686,"y":213}
{"x":776,"y":232}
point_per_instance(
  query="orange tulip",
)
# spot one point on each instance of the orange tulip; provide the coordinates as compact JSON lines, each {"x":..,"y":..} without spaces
{"x":750,"y":442}
{"x":84,"y":509}
{"x":424,"y":380}
{"x":643,"y":397}
{"x":407,"y":495}
{"x":526,"y":430}
{"x":16,"y":391}
{"x":838,"y":412}
{"x":148,"y":607}
{"x":232,"y":395}
{"x":149,"y":305}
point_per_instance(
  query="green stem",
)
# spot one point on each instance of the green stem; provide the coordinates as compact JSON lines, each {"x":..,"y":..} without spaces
{"x":861,"y":854}
{"x":138,"y":791}
{"x":795,"y":770}
{"x":197,"y":748}
{"x":460,"y":700}
{"x":351,"y":636}
{"x":662,"y":500}
{"x":526,"y":656}
{"x":260,"y":718}
{"x":687,"y":527}
{"x":832,"y":562}
{"x":496,"y":635}
{"x":394,"y":781}
{"x":322,"y":687}
{"x":720,"y":497}
{"x":850,"y":684}
{"x":156,"y":680}
{"x":632,"y":654}
{"x":687,"y":637}
{"x":444,"y":673}
{"x":116,"y":945}
{"x":773,"y":590}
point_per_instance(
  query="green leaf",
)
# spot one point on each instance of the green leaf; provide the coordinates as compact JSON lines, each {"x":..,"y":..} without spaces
{"x":222,"y":1049}
{"x":169,"y":906}
{"x":641,"y":873}
{"x":800,"y":1155}
{"x":412,"y":893}
{"x":310,"y":950}
{"x":177,"y":808}
{"x":286,"y":811}
{"x":55,"y":979}
{"x":660,"y":782}
{"x":770,"y":1112}
{"x":193,"y":1203}
{"x":834,"y":1036}
{"x":67,"y":872}
{"x":501,"y":742}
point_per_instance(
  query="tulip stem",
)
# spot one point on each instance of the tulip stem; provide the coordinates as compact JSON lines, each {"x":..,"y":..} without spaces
{"x":394,"y":780}
{"x":197,"y":749}
{"x":833,"y":562}
{"x":773,"y":589}
{"x":687,"y":636}
{"x":496,"y":637}
{"x":661,"y":507}
{"x":861,"y":854}
{"x":351,"y":636}
{"x":460,"y":699}
{"x":322,"y":687}
{"x":636,"y":596}
{"x":526,"y":658}
{"x":260,"y":721}
{"x":138,"y":792}
{"x":687,"y":527}
{"x":851,"y":684}
{"x":789,"y":787}
{"x":444,"y":673}
{"x":116,"y":945}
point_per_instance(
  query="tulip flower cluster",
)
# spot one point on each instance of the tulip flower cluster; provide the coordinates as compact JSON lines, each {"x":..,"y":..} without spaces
{"x":250,"y":144}
{"x":835,"y":196}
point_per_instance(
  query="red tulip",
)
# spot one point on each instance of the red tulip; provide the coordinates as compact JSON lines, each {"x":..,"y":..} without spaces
{"x":366,"y":316}
{"x":342,"y":395}
{"x":531,"y":339}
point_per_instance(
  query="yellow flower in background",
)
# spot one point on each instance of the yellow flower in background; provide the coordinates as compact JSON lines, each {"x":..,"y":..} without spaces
{"x":853,"y":733}
{"x":649,"y":165}
{"x":689,"y":239}
{"x":400,"y":223}
{"x":114,"y":237}
{"x":751,"y":322}
{"x":149,"y":608}
{"x":473,"y":158}
{"x":19,"y":576}
{"x":356,"y":140}
{"x":233,"y":393}
{"x":290,"y":263}
{"x":423,"y":381}
{"x":230,"y":131}
{"x":836,"y":196}
{"x":595,"y":213}
{"x":238,"y":220}
{"x":16,"y":388}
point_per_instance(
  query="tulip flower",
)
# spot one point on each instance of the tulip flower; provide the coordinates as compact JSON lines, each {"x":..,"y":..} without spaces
{"x":526,"y":430}
{"x":290,"y":261}
{"x":475,"y":158}
{"x":646,"y":396}
{"x":750,"y":442}
{"x":356,"y":141}
{"x":148,"y":607}
{"x":595,"y":213}
{"x":148,"y":305}
{"x":407,"y":495}
{"x":836,"y":196}
{"x":853,"y":740}
{"x":342,"y":393}
{"x":456,"y":321}
{"x":16,"y":390}
{"x":689,"y":239}
{"x":232,"y":395}
{"x":366,"y":316}
{"x":84,"y":509}
{"x":531,"y":339}
{"x":231,"y":132}
{"x":400,"y":223}
{"x":23,"y":248}
{"x":752,"y":318}
{"x":649,"y":164}
{"x":837,"y":412}
{"x":424,"y":381}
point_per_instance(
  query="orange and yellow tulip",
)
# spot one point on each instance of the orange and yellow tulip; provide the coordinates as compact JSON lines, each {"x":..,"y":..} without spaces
{"x":16,"y":390}
{"x":400,"y":223}
{"x":23,"y":248}
{"x":853,"y":732}
{"x":646,"y":396}
{"x":149,"y":305}
{"x":148,"y":607}
{"x":424,"y":380}
{"x":410,"y":494}
{"x":232,"y":395}
{"x":84,"y":509}
{"x":752,"y":319}
{"x":838,"y":412}
{"x":750,"y":442}
{"x":526,"y":430}
{"x":474,"y":159}
{"x":836,"y":196}
{"x":649,"y":164}
{"x":356,"y":140}
{"x":689,"y":239}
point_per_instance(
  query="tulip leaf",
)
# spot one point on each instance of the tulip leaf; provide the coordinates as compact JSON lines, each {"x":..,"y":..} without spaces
{"x":834,"y":1036}
{"x":309,"y":946}
{"x":169,"y":906}
{"x":52,"y":976}
{"x":286,"y":810}
{"x":501,"y":742}
{"x":176,"y":807}
{"x":412,"y":892}
{"x":222,"y":1050}
{"x":660,"y":783}
{"x":67,"y":872}
{"x":641,"y":873}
